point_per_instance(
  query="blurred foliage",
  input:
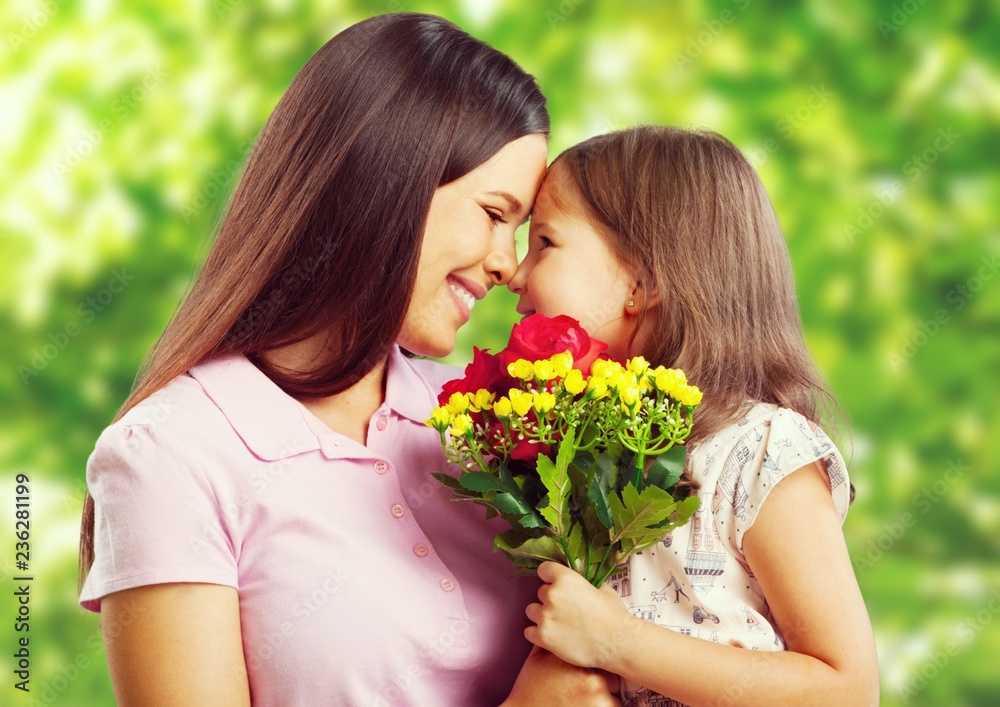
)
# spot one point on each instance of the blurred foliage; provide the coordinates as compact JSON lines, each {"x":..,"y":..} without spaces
{"x":873,"y":126}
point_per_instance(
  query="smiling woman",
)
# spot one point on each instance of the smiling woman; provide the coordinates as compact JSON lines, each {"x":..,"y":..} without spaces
{"x":466,"y":249}
{"x":268,"y":538}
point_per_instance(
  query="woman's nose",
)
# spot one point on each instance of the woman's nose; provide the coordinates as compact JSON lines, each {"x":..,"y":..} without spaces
{"x":501,"y":263}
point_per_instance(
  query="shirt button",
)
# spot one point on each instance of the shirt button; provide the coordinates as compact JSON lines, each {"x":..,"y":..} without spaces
{"x":381,"y":467}
{"x":420,"y":550}
{"x":382,"y":422}
{"x":447,"y":585}
{"x":397,"y":510}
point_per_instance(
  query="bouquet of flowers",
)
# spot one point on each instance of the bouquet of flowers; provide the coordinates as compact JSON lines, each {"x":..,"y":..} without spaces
{"x":580,"y":454}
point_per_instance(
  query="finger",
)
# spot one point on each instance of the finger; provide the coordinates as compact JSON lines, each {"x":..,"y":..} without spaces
{"x":534,"y":612}
{"x":544,"y":593}
{"x":533,"y":635}
{"x":548,"y":570}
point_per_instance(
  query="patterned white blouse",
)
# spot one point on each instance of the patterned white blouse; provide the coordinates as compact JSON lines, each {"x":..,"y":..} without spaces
{"x":696,"y":580}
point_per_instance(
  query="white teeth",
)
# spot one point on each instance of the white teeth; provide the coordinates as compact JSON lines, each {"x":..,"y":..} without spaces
{"x":464,"y":295}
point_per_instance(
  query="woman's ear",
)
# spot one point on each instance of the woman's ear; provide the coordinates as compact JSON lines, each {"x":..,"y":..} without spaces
{"x":640,"y":297}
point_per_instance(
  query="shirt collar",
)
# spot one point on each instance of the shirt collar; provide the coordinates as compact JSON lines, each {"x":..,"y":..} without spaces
{"x":274,"y":426}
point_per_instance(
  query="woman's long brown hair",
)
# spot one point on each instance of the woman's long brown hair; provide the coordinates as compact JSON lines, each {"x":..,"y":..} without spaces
{"x":685,"y":211}
{"x":323,"y":233}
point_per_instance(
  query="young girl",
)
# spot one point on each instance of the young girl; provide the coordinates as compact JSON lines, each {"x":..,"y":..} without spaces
{"x":662,"y":242}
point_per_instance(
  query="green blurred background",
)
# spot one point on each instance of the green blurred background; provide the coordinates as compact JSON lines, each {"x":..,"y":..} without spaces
{"x":873,"y":126}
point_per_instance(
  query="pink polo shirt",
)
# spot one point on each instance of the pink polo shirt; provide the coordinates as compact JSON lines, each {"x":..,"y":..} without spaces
{"x":360,"y":582}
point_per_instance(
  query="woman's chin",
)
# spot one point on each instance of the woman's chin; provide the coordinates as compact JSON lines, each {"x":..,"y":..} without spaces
{"x":438,"y":347}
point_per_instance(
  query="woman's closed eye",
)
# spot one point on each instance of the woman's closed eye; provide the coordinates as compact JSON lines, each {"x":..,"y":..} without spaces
{"x":495,"y":216}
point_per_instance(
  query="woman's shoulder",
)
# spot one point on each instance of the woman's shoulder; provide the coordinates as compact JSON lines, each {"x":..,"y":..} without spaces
{"x":181,"y":405}
{"x":178,"y":419}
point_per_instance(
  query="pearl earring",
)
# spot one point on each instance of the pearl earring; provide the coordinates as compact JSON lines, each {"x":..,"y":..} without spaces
{"x":631,"y":303}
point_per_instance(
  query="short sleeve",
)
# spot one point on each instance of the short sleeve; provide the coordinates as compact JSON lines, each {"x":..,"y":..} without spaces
{"x":785,"y":443}
{"x":157,"y":518}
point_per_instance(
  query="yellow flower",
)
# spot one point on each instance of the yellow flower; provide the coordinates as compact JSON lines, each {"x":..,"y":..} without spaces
{"x":482,"y":400}
{"x":521,"y":369}
{"x":458,"y":402}
{"x":502,"y":407}
{"x":461,"y":425}
{"x":638,"y":365}
{"x":599,"y":368}
{"x":574,"y":382}
{"x":597,"y":388}
{"x":440,"y":419}
{"x":666,"y":380}
{"x":689,"y":395}
{"x":562,"y":364}
{"x":544,"y":370}
{"x":543,"y":402}
{"x":520,"y":401}
{"x":629,"y":395}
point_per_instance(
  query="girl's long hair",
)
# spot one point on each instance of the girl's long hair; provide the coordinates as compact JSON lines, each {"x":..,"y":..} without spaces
{"x":685,"y":211}
{"x":323,"y":233}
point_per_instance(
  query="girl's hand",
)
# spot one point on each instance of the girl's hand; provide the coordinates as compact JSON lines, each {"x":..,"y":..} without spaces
{"x":546,"y":680}
{"x":581,"y":624}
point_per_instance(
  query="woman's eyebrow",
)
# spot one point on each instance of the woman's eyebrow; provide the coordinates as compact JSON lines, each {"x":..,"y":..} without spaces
{"x":511,"y":200}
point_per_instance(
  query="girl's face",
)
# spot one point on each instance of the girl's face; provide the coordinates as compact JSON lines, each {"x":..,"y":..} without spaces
{"x":569,"y":269}
{"x":468,"y":244}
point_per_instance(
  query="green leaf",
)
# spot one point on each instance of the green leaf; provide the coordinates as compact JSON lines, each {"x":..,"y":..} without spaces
{"x":536,"y":550}
{"x":533,"y":520}
{"x":576,"y":547}
{"x":667,"y":468}
{"x":604,"y":480}
{"x":555,"y":478}
{"x":509,"y":504}
{"x":451,"y":482}
{"x":634,"y":513}
{"x":481,"y":481}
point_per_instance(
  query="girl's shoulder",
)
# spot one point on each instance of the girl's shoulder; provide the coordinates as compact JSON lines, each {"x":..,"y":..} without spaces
{"x":740,"y":464}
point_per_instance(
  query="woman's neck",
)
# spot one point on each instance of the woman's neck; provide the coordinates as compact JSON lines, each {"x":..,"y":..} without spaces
{"x":347,"y":412}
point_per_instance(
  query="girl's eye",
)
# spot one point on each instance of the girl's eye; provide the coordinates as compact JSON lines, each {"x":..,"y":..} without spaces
{"x":543,"y":242}
{"x":494,"y":216}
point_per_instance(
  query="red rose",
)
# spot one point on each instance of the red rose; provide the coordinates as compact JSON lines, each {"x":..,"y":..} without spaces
{"x":485,"y":371}
{"x":539,"y":337}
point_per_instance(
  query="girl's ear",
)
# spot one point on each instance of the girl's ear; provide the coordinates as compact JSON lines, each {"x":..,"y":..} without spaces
{"x":641,"y":295}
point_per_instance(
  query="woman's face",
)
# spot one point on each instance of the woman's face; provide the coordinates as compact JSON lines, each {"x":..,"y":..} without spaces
{"x":569,"y":269}
{"x":468,"y":244}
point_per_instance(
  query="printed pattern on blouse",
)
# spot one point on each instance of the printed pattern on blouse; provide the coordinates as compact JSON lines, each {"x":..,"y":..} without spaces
{"x":696,"y":580}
